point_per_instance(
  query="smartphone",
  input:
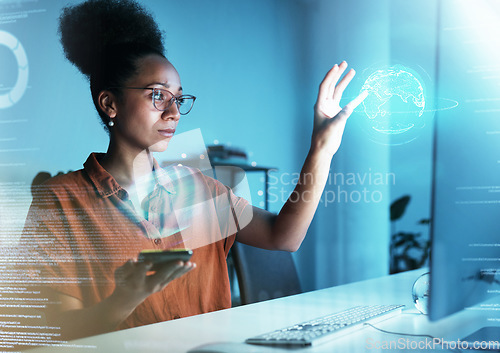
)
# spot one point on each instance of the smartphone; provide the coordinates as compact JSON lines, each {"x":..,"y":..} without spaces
{"x":160,"y":257}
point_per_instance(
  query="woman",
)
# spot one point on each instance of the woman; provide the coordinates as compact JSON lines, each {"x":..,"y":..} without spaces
{"x":88,"y":226}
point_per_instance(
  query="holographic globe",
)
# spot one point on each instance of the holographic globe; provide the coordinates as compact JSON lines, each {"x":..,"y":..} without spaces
{"x":396,"y":100}
{"x":401,"y":103}
{"x":398,"y":106}
{"x":420,"y":292}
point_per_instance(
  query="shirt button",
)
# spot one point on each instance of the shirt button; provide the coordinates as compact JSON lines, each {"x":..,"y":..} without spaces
{"x":157,"y":241}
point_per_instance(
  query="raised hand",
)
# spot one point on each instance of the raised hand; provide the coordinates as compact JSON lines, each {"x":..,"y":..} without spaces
{"x":329,"y":117}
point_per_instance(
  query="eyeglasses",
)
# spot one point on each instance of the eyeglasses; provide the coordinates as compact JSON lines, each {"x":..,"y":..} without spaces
{"x":163,"y":99}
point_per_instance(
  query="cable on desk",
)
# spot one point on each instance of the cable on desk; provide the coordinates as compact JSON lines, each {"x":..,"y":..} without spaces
{"x":408,"y":334}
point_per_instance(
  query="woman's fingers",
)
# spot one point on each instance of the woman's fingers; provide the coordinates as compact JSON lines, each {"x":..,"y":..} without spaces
{"x":141,"y":269}
{"x":346,"y":112}
{"x":131,"y":273}
{"x":133,"y":281}
{"x":332,"y":89}
{"x":355,"y":102}
{"x":339,"y":89}
{"x":168,"y":273}
{"x":327,"y":86}
{"x":331,"y":78}
{"x":181,"y":271}
{"x":122,"y":272}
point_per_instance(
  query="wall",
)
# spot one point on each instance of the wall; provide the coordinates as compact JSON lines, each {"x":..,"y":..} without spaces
{"x":349,"y":238}
{"x":415,"y":44}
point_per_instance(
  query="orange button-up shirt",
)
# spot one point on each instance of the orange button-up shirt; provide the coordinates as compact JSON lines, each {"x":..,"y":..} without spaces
{"x":82,"y":226}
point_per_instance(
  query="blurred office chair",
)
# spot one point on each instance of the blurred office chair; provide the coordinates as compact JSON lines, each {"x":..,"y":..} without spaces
{"x":264,"y":274}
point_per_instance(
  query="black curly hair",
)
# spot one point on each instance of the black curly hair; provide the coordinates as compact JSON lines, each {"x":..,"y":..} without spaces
{"x":105,"y":39}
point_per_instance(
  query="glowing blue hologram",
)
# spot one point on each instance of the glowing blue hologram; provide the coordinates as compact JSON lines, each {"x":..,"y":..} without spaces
{"x":15,"y":93}
{"x":188,"y":208}
{"x":399,"y":105}
{"x":188,"y":149}
{"x":382,"y":85}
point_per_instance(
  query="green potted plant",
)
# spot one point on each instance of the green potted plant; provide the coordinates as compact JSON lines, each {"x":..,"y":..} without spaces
{"x":408,"y":250}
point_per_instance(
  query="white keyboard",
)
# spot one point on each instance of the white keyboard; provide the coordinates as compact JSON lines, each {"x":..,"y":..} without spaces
{"x":327,"y":327}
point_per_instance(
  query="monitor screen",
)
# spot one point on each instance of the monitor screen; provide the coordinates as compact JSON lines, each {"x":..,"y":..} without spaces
{"x":465,"y":231}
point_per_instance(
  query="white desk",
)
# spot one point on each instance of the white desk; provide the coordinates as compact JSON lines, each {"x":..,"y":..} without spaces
{"x":237,"y":324}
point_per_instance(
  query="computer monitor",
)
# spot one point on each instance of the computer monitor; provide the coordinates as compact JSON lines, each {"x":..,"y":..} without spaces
{"x":465,"y":227}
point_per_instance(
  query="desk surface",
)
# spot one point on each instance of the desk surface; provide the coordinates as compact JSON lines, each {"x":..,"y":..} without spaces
{"x":237,"y":324}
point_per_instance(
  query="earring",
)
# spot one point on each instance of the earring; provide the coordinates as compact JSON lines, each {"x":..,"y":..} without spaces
{"x":111,"y":123}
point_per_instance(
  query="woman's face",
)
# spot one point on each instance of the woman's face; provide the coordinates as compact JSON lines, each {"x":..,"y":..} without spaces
{"x":138,"y":124}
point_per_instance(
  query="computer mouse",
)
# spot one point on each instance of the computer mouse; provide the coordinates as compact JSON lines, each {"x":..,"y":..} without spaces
{"x":234,"y":347}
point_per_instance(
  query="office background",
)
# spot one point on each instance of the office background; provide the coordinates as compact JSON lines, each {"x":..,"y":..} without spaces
{"x":255,"y":67}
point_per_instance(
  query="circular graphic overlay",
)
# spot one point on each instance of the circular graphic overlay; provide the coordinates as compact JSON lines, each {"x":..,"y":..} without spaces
{"x":12,"y":96}
{"x":399,"y":105}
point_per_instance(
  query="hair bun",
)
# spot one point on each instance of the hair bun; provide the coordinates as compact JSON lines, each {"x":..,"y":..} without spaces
{"x":88,"y":30}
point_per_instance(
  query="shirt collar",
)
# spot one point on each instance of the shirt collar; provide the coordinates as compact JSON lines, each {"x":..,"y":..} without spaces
{"x":162,"y":178}
{"x":106,"y":185}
